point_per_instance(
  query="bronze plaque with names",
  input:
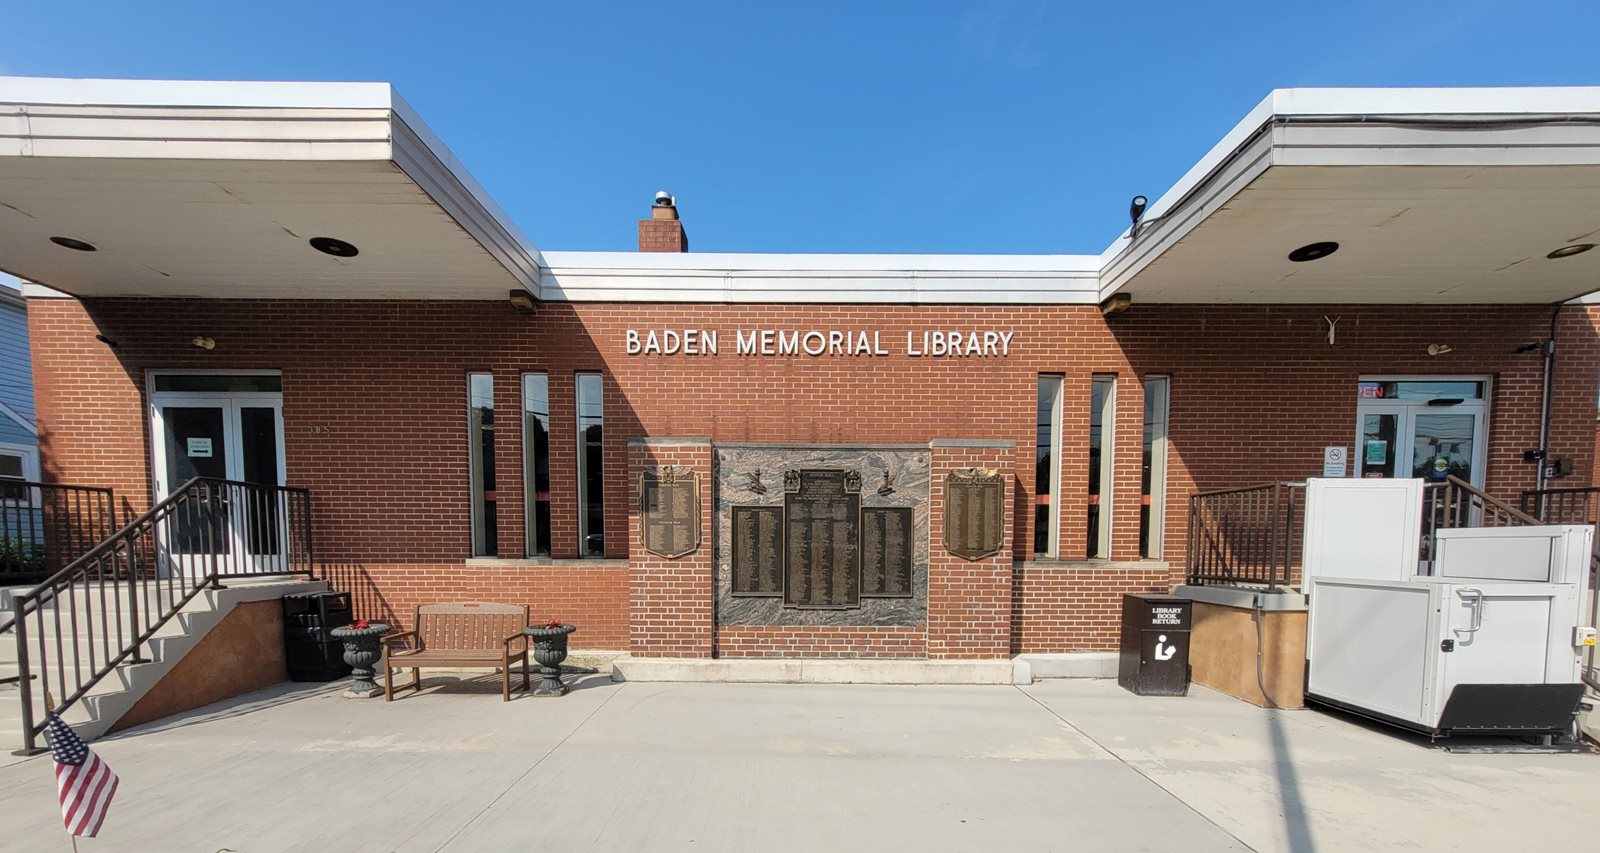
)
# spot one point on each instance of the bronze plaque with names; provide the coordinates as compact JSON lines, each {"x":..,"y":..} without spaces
{"x":974,"y":513}
{"x":886,"y":556}
{"x":669,"y":511}
{"x":757,"y":550}
{"x":822,"y":539}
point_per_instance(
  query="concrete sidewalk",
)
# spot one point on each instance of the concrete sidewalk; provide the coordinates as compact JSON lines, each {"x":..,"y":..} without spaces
{"x":1060,"y":765}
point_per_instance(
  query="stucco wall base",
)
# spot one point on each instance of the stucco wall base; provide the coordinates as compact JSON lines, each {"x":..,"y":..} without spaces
{"x":244,"y":652}
{"x":1222,"y":653}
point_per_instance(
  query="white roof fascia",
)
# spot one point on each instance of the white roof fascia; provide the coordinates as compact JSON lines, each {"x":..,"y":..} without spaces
{"x":856,"y":279}
{"x":1365,"y":120}
{"x":26,"y":102}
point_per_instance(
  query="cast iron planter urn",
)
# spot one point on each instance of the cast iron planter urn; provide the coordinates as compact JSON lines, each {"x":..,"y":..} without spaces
{"x":550,"y":649}
{"x":362,"y":650}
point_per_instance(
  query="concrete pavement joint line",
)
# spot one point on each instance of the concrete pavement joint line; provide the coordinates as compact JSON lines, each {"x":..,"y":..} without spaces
{"x":1103,"y":748}
{"x":532,"y":767}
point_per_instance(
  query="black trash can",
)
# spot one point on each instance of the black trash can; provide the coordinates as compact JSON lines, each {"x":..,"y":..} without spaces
{"x":1154,"y":655}
{"x":310,"y":649}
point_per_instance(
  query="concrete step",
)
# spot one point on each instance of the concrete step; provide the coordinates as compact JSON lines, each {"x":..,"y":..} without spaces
{"x":114,"y":695}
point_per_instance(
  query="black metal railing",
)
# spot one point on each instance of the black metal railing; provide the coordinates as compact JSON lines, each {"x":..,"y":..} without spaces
{"x":1249,"y":535}
{"x":45,"y":526}
{"x":1562,"y":506}
{"x":102,"y":610}
{"x":1455,"y":503}
{"x":1254,"y":534}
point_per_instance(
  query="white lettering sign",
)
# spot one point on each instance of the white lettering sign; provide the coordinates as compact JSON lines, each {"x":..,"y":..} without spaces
{"x":199,"y":448}
{"x":818,"y":343}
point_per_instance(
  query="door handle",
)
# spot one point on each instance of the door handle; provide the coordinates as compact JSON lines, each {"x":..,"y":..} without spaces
{"x":1477,"y":609}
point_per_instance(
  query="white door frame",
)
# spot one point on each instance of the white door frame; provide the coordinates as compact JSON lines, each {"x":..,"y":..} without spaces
{"x":1405,"y":424}
{"x":231,"y":404}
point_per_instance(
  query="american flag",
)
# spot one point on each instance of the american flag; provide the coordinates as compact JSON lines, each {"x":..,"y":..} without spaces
{"x":84,"y":782}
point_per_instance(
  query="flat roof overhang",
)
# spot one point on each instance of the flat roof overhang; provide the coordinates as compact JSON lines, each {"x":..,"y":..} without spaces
{"x":1433,"y":195}
{"x":215,"y":189}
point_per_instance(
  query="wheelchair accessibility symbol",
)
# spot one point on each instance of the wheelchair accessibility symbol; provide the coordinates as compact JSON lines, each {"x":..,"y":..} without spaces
{"x":1164,"y":651}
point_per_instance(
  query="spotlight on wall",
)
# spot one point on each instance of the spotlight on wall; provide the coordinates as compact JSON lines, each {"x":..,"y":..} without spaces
{"x":204,"y":343}
{"x":1116,"y":303}
{"x":1136,"y":210}
{"x":1439,"y":349}
{"x":107,"y":341}
{"x":523,"y":301}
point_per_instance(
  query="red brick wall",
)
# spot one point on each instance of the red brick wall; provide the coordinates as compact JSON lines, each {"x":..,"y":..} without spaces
{"x":590,"y":594}
{"x":670,"y":599}
{"x":1066,"y":608}
{"x":375,"y":396}
{"x":969,"y":601}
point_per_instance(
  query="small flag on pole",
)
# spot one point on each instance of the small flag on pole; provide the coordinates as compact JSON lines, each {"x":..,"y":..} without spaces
{"x":84,"y":782}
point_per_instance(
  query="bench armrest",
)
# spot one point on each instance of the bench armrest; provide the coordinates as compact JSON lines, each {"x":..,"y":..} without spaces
{"x":394,"y":638}
{"x":513,"y":638}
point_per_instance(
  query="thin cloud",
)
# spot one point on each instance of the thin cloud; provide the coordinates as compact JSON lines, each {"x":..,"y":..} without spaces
{"x":1005,"y":32}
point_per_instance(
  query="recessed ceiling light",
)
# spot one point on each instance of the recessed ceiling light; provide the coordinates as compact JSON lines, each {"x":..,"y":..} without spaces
{"x":1569,"y":251}
{"x":1313,"y":251}
{"x":334,"y":246}
{"x":75,"y":245}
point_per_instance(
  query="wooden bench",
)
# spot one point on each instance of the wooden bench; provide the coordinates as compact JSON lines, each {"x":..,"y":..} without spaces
{"x":467,"y":634}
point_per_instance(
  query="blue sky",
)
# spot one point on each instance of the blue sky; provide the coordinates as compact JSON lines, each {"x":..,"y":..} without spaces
{"x":999,"y":126}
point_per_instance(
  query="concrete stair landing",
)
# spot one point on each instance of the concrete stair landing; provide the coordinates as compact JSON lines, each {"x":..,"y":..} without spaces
{"x":107,"y":701}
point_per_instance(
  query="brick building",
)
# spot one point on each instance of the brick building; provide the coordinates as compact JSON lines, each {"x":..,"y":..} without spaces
{"x":1375,"y":275}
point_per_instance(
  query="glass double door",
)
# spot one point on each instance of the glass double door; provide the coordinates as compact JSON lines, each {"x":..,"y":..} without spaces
{"x":1421,"y":441}
{"x":239,"y":439}
{"x":1430,"y":429}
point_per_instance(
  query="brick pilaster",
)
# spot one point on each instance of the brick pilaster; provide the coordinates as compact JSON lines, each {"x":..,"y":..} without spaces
{"x":969,"y":601}
{"x":670,"y":600}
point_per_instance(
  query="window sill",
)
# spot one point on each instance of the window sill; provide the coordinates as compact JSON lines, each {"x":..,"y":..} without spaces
{"x":508,"y":562}
{"x":1109,"y":565}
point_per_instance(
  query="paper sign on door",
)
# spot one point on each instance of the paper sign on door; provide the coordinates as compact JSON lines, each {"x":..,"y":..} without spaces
{"x":200,"y":448}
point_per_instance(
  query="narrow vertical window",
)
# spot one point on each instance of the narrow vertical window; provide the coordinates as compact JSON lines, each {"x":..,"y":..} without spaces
{"x":536,"y":462}
{"x":480,"y":450}
{"x":1102,"y":430}
{"x":1047,"y":444}
{"x":591,"y":470}
{"x":1153,"y":488}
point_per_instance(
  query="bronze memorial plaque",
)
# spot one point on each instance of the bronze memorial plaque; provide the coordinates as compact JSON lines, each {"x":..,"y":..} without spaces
{"x":821,"y":539}
{"x":974,"y":513}
{"x":669,"y":511}
{"x":886,"y":551}
{"x":758,"y":550}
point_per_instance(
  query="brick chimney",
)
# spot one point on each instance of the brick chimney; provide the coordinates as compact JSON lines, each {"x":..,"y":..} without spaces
{"x":662,"y":232}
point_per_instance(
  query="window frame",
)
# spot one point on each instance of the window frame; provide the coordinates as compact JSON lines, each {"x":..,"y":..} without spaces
{"x":1100,"y":549}
{"x":532,"y":547}
{"x":583,"y":462}
{"x":1154,"y":545}
{"x":1052,"y":521}
{"x":477,"y":486}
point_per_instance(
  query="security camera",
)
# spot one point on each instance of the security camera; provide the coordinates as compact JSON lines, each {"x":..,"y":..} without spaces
{"x":665,"y":199}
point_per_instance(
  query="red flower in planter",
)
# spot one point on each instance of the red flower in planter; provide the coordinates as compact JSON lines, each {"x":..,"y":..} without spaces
{"x":360,"y":625}
{"x":553,"y":623}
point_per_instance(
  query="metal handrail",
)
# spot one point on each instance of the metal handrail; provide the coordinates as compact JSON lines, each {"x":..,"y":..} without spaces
{"x":1246,"y":534}
{"x":106,"y":605}
{"x":50,"y":523}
